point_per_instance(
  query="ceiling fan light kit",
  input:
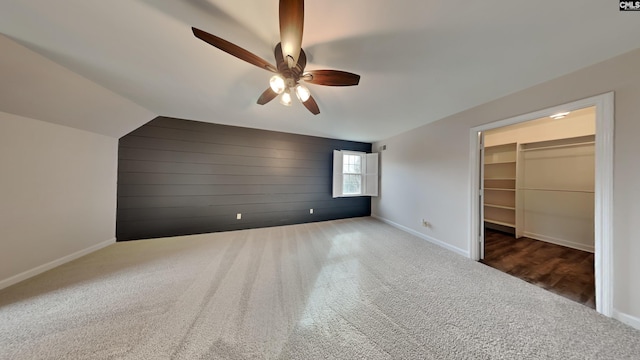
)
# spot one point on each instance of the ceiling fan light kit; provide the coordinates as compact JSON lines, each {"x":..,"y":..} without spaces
{"x":285,"y":98}
{"x":302,"y":93}
{"x":290,"y":61}
{"x":277,"y":84}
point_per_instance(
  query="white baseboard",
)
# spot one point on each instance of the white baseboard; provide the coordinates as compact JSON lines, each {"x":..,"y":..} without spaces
{"x":50,"y":265}
{"x":423,"y":236}
{"x":562,"y":242}
{"x":627,"y":319}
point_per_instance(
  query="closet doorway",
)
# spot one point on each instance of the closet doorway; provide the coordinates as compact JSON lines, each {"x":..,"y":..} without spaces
{"x":538,"y":204}
{"x":524,"y":175}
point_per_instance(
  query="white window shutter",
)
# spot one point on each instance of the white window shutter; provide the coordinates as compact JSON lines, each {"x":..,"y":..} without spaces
{"x":371,"y":175}
{"x":337,"y":173}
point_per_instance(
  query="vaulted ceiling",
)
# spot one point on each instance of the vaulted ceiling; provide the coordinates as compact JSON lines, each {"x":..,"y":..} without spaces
{"x":419,"y":60}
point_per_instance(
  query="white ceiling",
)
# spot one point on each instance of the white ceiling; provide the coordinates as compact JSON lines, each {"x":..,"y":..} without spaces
{"x":419,"y":60}
{"x":586,"y":115}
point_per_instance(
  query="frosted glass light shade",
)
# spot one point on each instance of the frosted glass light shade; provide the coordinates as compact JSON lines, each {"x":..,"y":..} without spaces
{"x":559,"y":115}
{"x":302,"y":93}
{"x":285,"y":98}
{"x":277,"y":84}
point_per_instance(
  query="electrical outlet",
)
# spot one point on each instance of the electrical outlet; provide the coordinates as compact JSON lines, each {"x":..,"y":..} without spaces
{"x":238,"y":216}
{"x":310,"y":211}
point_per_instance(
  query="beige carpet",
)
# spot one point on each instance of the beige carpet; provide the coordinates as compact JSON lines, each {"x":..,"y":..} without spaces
{"x":347,"y":289}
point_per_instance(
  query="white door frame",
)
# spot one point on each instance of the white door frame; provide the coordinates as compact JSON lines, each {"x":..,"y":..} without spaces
{"x":603,"y":217}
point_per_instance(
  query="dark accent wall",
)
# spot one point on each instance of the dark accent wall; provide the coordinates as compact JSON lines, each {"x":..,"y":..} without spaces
{"x":180,"y":177}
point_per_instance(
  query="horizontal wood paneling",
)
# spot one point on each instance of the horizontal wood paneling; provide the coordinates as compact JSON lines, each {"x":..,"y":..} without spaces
{"x":179,"y":177}
{"x":319,"y":207}
{"x":199,"y":179}
{"x":127,"y":153}
{"x":217,"y":189}
{"x":136,"y":166}
{"x":219,"y":149}
{"x":134,"y":202}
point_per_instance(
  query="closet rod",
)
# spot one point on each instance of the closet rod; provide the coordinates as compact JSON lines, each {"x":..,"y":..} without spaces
{"x":560,"y":190}
{"x":558,"y":146}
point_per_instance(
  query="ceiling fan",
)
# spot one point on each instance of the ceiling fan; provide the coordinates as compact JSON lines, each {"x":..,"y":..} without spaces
{"x":290,"y":61}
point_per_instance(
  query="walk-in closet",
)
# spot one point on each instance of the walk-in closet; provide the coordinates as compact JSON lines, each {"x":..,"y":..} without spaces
{"x":538,"y":203}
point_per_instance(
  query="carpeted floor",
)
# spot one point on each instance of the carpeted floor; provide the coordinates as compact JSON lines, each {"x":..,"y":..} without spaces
{"x":346,"y":289}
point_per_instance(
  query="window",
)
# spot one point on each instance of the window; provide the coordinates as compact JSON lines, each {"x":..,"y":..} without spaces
{"x":351,"y":174}
{"x":354,"y":174}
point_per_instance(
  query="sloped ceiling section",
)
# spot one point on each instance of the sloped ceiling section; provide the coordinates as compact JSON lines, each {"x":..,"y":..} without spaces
{"x":36,"y":87}
{"x":419,"y":60}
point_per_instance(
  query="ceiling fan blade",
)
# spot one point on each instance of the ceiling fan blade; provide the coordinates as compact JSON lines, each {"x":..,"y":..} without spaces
{"x":312,"y":106}
{"x":291,"y":26}
{"x":267,"y":96}
{"x":331,"y":78}
{"x":233,"y":49}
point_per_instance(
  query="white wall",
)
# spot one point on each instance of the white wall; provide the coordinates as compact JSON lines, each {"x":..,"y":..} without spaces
{"x":58,"y":195}
{"x":559,"y":217}
{"x":425,"y":172}
{"x":38,"y":88}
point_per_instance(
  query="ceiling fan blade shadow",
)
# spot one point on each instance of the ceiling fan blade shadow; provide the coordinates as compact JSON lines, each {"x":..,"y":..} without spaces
{"x":267,"y":96}
{"x":389,"y":52}
{"x":291,"y":27}
{"x":233,"y":49}
{"x":331,"y":78}
{"x":311,"y":105}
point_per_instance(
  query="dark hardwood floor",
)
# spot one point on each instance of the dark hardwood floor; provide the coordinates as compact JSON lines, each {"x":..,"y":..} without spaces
{"x":564,"y":271}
